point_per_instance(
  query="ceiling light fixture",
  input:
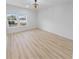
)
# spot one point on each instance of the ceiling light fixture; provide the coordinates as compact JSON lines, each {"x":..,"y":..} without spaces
{"x":35,"y":5}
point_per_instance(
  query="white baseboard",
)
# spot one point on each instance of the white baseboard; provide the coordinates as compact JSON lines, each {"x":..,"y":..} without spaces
{"x":19,"y":29}
{"x":56,"y":34}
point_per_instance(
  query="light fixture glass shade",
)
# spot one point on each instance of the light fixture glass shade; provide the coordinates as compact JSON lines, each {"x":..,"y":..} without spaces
{"x":35,"y":5}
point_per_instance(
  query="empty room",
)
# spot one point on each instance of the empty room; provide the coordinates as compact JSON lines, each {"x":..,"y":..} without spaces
{"x":39,"y":29}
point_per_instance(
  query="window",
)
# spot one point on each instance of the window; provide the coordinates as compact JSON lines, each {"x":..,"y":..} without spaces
{"x":14,"y":20}
{"x":22,"y":20}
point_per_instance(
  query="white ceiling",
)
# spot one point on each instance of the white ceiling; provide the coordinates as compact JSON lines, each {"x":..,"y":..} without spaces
{"x":42,"y":3}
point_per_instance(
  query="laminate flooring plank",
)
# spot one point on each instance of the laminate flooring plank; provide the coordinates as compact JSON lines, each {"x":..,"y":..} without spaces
{"x":38,"y":44}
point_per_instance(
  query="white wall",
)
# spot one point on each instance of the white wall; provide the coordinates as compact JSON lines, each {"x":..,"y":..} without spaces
{"x":31,"y":18}
{"x":57,"y":19}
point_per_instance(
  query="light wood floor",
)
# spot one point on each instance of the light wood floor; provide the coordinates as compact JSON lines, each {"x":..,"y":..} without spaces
{"x":38,"y":44}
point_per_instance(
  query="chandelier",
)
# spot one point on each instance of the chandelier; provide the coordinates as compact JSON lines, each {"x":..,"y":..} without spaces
{"x":35,"y":5}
